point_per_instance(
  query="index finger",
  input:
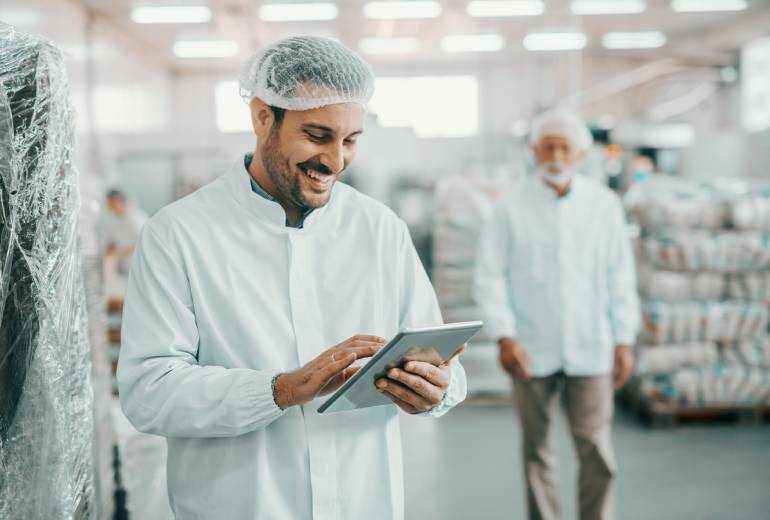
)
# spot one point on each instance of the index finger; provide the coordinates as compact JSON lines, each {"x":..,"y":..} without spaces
{"x":432,"y":373}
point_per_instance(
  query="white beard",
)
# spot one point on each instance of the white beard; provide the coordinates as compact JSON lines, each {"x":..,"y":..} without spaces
{"x":559,"y":179}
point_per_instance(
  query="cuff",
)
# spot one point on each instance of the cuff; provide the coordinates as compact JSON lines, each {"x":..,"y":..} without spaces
{"x":261,"y":399}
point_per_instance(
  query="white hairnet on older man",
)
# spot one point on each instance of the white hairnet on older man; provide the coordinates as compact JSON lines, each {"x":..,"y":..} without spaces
{"x":249,"y":300}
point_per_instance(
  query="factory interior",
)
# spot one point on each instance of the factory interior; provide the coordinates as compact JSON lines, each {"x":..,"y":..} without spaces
{"x":121,"y":119}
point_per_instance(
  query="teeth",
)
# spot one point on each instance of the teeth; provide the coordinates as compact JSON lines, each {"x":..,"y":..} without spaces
{"x":318,"y":177}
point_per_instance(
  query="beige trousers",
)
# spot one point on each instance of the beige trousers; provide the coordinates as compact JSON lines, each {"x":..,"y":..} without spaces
{"x":588,"y":402}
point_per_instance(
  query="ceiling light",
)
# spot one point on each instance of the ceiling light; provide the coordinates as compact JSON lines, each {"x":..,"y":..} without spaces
{"x":501,"y":8}
{"x":633,"y":40}
{"x":171,"y":14}
{"x":389,"y":45}
{"x":317,"y":11}
{"x":472,"y":43}
{"x":205,"y":48}
{"x":402,"y":10}
{"x":692,"y":6}
{"x":589,"y":7}
{"x":558,"y":41}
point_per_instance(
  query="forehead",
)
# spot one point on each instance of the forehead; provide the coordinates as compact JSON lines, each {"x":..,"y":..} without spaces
{"x":554,"y":140}
{"x":342,"y":118}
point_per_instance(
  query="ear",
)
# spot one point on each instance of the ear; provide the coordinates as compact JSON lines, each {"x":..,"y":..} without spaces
{"x":262,"y":117}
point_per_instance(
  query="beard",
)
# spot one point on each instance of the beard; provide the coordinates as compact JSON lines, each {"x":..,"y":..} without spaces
{"x":288,"y":184}
{"x":556,"y":173}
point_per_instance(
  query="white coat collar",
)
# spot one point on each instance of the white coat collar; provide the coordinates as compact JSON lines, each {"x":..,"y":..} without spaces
{"x":240,"y":186}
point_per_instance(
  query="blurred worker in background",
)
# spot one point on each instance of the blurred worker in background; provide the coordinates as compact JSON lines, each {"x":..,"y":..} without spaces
{"x":555,"y":279}
{"x":251,"y":298}
{"x":119,"y":232}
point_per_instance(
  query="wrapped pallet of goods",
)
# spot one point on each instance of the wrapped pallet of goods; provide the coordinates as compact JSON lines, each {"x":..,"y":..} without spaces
{"x":462,"y":204}
{"x":703,"y":256}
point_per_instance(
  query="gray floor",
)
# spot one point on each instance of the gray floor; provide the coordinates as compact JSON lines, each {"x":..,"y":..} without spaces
{"x":466,"y":465}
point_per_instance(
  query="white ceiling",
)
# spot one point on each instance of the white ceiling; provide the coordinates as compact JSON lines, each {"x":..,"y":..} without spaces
{"x":707,"y":37}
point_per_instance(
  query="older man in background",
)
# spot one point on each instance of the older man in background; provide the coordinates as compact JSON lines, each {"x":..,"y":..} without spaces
{"x":556,"y":281}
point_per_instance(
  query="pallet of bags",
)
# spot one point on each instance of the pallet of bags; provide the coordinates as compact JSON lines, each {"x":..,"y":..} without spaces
{"x":670,"y":323}
{"x":723,"y":385}
{"x":725,"y":252}
{"x":661,"y":359}
{"x":672,"y":286}
{"x":463,"y":203}
{"x":669,"y":202}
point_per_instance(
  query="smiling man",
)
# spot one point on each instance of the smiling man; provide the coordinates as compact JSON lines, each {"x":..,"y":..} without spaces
{"x":252,"y":298}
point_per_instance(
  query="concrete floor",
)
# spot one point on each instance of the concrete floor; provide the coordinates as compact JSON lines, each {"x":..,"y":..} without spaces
{"x":466,"y":465}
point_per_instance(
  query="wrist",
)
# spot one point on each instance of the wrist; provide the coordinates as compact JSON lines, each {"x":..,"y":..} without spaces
{"x":282,"y":391}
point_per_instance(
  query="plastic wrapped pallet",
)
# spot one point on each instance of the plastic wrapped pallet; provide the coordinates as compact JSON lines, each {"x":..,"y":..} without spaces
{"x":724,"y":252}
{"x":45,"y":390}
{"x":666,"y":323}
{"x":462,"y":204}
{"x":657,"y":359}
{"x":722,"y":385}
{"x":670,"y":202}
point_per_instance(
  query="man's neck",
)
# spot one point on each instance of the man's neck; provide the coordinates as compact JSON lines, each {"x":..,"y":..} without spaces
{"x":561,"y":190}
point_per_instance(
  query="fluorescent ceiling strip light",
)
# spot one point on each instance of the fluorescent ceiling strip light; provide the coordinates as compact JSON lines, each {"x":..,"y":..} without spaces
{"x":505,"y":8}
{"x":318,"y":11}
{"x":634,"y":40}
{"x":389,"y":45}
{"x":472,"y":43}
{"x":561,"y":41}
{"x":592,"y":7}
{"x":703,"y":6}
{"x":402,"y":10}
{"x":171,"y":14}
{"x":205,"y":48}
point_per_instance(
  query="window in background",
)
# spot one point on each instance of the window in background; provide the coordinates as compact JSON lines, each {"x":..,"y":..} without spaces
{"x":232,"y":113}
{"x":434,"y":106}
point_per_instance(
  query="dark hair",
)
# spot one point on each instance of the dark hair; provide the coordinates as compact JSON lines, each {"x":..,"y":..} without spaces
{"x":116,"y":194}
{"x":278,"y":113}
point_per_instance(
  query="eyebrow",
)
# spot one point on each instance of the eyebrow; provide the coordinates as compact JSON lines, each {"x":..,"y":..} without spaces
{"x":322,"y":128}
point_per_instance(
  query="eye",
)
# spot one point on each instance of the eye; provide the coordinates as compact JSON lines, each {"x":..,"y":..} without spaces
{"x":318,"y":138}
{"x":350,"y":142}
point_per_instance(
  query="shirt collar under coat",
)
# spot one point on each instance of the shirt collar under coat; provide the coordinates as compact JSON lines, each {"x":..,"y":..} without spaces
{"x":549,"y":193}
{"x":239,"y":183}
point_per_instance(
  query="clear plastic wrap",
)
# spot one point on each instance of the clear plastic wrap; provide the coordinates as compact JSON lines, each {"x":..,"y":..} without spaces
{"x":46,"y":398}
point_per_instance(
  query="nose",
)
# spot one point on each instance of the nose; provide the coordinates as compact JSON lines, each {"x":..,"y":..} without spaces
{"x":334,"y":157}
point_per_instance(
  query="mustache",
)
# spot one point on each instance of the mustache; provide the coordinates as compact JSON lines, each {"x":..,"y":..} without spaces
{"x":318,"y":167}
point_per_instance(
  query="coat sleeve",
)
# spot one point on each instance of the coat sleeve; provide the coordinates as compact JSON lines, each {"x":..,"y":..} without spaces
{"x":491,"y":280}
{"x":419,"y":308}
{"x":163,"y":389}
{"x":625,"y":314}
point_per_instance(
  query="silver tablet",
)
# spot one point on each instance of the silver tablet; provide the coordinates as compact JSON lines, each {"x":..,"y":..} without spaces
{"x":430,"y":344}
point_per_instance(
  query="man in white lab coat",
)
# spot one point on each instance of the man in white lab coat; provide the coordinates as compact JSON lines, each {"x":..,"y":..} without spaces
{"x":253,"y":297}
{"x":556,"y":281}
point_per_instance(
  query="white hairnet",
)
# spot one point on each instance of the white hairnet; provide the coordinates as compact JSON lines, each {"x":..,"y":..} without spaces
{"x":306,"y":72}
{"x":562,"y":124}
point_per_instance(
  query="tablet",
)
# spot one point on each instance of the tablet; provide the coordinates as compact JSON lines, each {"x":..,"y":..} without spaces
{"x":430,"y":344}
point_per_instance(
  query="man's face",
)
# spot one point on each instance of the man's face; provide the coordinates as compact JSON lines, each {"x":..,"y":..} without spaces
{"x":117,"y":205}
{"x":309,"y":150}
{"x":556,"y":154}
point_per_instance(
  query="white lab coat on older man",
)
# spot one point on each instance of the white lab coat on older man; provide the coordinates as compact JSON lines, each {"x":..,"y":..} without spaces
{"x":557,"y":273}
{"x":221,"y":297}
